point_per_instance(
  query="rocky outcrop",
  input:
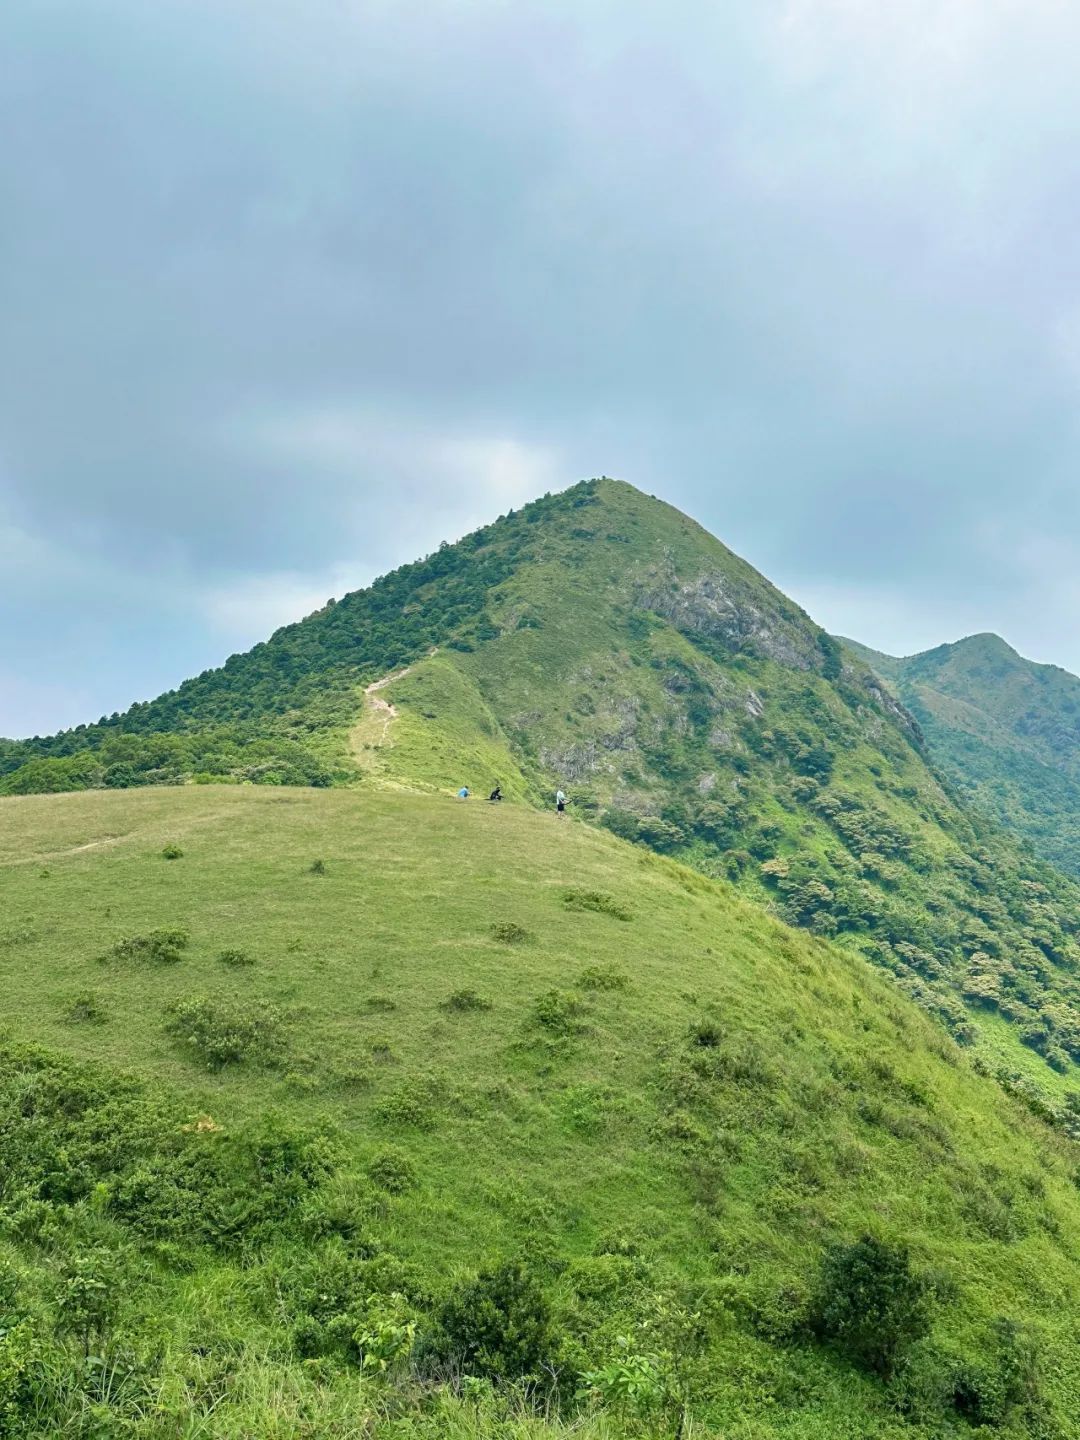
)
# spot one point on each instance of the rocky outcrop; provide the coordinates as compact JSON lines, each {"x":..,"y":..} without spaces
{"x":744,"y":619}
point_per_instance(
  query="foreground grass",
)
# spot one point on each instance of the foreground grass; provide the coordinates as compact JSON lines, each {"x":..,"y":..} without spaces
{"x":528,"y":1040}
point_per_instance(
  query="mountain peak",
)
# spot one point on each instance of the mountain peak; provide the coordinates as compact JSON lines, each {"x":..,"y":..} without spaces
{"x":985,"y":643}
{"x":601,"y":642}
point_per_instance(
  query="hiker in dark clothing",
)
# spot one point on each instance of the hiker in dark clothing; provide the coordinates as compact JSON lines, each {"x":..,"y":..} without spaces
{"x":496,"y":794}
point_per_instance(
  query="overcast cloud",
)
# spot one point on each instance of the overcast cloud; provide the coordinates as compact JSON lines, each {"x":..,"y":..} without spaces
{"x":290,"y":290}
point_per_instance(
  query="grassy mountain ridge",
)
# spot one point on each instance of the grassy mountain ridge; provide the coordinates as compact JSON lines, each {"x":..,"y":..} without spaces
{"x":469,"y":1034}
{"x":692,"y":707}
{"x":300,"y":686}
{"x":1005,"y":730}
{"x":600,"y":640}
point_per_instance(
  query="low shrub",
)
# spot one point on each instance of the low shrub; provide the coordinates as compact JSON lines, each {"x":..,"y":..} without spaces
{"x":557,"y":1011}
{"x":393,"y":1171}
{"x":464,"y":1001}
{"x":236,"y":959}
{"x":86,"y":1008}
{"x":159,"y":947}
{"x":87,"y":1297}
{"x":318,"y":867}
{"x":348,"y":1078}
{"x":996,"y":1393}
{"x":596,"y":901}
{"x":409,"y":1106}
{"x":232,"y":1031}
{"x":385,"y":1336}
{"x":509,"y":932}
{"x":172,"y":852}
{"x":603,"y":977}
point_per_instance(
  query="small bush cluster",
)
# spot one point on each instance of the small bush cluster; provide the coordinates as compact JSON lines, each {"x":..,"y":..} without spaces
{"x":410,"y":1106}
{"x":221,"y":1032}
{"x":463,"y":1001}
{"x":172,"y":852}
{"x":596,"y":901}
{"x":558,"y":1011}
{"x":509,"y":932}
{"x":159,"y":947}
{"x":235,"y":959}
{"x":603,"y":977}
{"x":86,"y":1008}
{"x":393,"y":1171}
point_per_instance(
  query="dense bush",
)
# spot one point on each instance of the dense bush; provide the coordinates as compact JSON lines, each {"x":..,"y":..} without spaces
{"x":393,"y":1171}
{"x":229,"y":1031}
{"x":871,"y":1303}
{"x":500,"y":1325}
{"x":159,"y":947}
{"x":69,"y":1132}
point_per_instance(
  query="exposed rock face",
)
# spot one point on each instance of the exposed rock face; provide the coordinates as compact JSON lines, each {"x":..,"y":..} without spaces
{"x":720,"y":606}
{"x":575,"y":762}
{"x":889,"y":703}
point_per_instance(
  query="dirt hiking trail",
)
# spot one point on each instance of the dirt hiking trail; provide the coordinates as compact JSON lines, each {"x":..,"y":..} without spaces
{"x":372,"y":731}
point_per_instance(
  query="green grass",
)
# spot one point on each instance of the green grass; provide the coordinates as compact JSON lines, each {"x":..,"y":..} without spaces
{"x":601,"y":642}
{"x":631,"y":1161}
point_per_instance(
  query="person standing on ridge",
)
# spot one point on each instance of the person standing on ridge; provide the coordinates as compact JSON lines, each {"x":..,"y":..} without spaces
{"x":560,"y":803}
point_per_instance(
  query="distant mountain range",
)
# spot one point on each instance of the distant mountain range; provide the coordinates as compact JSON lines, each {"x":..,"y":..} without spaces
{"x":1005,"y":731}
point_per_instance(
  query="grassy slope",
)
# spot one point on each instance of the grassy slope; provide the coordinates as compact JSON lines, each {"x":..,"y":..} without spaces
{"x":642,"y":665}
{"x":1005,"y":730}
{"x":841,"y":1108}
{"x":602,"y":641}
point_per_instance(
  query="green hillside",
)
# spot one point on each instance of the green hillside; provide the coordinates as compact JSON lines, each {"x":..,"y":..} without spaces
{"x":602,"y":641}
{"x":1005,"y":730}
{"x":374,"y":1112}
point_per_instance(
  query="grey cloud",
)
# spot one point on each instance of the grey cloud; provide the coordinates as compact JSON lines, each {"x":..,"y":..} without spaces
{"x":291,"y":291}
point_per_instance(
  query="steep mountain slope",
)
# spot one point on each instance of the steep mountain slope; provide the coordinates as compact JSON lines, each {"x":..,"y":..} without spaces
{"x":1005,"y":730}
{"x":290,"y":1115}
{"x":601,"y":640}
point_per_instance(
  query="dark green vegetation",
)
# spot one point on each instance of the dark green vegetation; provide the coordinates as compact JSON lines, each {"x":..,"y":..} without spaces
{"x":511,"y":1130}
{"x":1004,"y":730}
{"x":602,"y":641}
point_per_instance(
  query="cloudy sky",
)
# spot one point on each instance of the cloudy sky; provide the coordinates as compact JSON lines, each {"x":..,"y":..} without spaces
{"x":290,"y":290}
